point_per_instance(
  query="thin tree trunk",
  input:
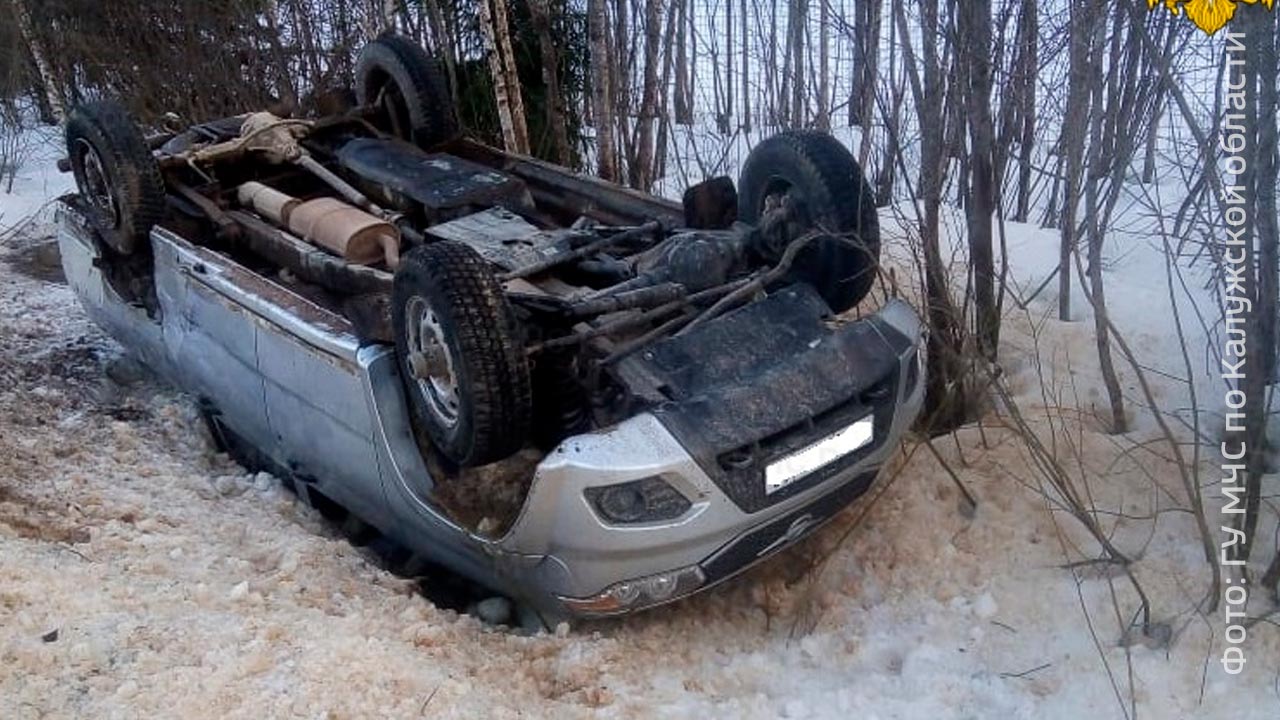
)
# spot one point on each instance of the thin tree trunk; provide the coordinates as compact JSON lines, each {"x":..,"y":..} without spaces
{"x":444,"y":36}
{"x":867,"y":49}
{"x":642,"y":169}
{"x":974,"y":31}
{"x":683,"y":107}
{"x":799,"y":14}
{"x":746,"y":69}
{"x":1093,"y":220}
{"x":541,"y":16}
{"x":824,"y":88}
{"x":52,"y":88}
{"x":1080,"y":33}
{"x":664,"y":117}
{"x":601,"y":106}
{"x":729,"y":62}
{"x":1028,"y":49}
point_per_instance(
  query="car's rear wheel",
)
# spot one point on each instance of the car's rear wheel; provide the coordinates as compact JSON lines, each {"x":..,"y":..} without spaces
{"x":820,"y":181}
{"x":408,"y":89}
{"x":116,"y":174}
{"x":460,"y":354}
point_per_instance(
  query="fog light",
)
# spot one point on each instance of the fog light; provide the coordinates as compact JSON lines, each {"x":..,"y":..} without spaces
{"x":650,"y":499}
{"x":639,"y":592}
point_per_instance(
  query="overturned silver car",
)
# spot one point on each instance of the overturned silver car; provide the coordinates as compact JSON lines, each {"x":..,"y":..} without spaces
{"x":586,"y":398}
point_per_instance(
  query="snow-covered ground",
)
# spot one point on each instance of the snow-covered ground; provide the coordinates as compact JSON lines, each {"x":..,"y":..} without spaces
{"x":144,"y":575}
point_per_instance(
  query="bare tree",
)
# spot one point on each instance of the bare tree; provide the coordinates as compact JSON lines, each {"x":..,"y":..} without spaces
{"x":506,"y":81}
{"x":642,"y":170}
{"x":540,"y":15}
{"x":601,"y":93}
{"x":1082,"y":34}
{"x":974,"y":56}
{"x":51,"y":86}
{"x":746,"y":69}
{"x":794,"y":74}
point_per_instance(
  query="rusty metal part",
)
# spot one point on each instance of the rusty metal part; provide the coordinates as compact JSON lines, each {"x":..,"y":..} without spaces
{"x":342,"y":186}
{"x":309,"y":262}
{"x":629,"y":300}
{"x":571,"y":194}
{"x":653,"y":227}
{"x":349,"y":232}
{"x":636,"y":320}
{"x":227,"y":228}
{"x":267,"y":201}
{"x":759,"y":281}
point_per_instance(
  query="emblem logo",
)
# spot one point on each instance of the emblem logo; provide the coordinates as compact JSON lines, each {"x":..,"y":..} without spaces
{"x":797,"y":529}
{"x":1208,"y":15}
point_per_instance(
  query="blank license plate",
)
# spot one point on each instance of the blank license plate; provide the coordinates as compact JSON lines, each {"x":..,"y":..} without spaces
{"x":782,"y":473}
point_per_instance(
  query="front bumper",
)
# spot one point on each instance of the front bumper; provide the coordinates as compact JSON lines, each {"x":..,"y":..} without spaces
{"x":597,"y":566}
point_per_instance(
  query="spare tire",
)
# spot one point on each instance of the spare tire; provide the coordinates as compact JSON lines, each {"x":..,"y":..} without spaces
{"x":409,"y":90}
{"x":825,"y":184}
{"x":460,"y":354}
{"x":116,"y":174}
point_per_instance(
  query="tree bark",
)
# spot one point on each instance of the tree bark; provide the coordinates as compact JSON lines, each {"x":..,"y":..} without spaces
{"x":729,"y":63}
{"x":746,"y":69}
{"x":824,"y":49}
{"x":601,"y":105}
{"x":1028,"y":53}
{"x":51,"y":86}
{"x":1097,"y":171}
{"x":683,"y":106}
{"x":799,"y":14}
{"x":642,"y":168}
{"x":540,"y":14}
{"x":506,"y":84}
{"x":974,"y":30}
{"x":1080,"y":35}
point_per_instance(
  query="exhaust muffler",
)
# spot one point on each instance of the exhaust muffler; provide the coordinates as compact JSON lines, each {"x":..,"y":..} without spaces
{"x":346,"y":231}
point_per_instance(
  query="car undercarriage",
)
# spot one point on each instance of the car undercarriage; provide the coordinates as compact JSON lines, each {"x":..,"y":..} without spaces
{"x":530,"y":314}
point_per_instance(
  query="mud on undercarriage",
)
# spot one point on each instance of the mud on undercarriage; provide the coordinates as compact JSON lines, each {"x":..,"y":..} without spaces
{"x":526,"y":304}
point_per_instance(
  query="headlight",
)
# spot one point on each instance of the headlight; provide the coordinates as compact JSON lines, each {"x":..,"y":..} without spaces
{"x":650,"y":499}
{"x":639,"y":592}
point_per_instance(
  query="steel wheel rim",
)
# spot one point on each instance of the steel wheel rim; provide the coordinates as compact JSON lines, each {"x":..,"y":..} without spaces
{"x":97,"y":189}
{"x":431,"y":362}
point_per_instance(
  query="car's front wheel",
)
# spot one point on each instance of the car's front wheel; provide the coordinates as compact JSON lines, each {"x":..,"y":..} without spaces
{"x":461,"y":357}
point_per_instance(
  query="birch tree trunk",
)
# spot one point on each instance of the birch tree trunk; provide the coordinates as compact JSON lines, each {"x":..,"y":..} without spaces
{"x":506,"y":83}
{"x":51,"y":87}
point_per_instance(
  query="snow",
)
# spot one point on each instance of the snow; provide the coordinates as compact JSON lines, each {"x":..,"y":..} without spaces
{"x":180,"y":586}
{"x":38,"y":180}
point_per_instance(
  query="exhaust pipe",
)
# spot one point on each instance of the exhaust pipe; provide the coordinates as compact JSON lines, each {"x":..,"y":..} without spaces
{"x":346,"y":231}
